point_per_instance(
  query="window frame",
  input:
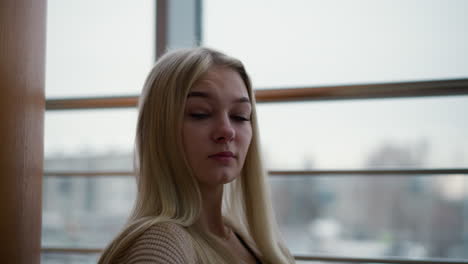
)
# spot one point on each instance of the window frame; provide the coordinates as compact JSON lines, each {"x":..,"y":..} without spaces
{"x":452,"y":87}
{"x":357,"y":92}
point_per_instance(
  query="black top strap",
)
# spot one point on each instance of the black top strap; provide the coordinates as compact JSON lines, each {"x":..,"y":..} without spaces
{"x":257,"y":260}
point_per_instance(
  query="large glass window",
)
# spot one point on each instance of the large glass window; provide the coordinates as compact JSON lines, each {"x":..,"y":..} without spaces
{"x":101,"y":47}
{"x":322,"y":42}
{"x":365,"y":134}
{"x":87,"y":133}
{"x":94,"y":48}
{"x":85,"y":212}
{"x":374,"y":215}
{"x":106,"y":48}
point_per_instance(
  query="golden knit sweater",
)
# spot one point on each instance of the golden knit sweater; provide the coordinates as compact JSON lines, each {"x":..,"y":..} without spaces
{"x":164,"y":243}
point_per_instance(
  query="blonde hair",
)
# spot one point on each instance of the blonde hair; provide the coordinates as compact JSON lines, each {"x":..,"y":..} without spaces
{"x":167,"y":189}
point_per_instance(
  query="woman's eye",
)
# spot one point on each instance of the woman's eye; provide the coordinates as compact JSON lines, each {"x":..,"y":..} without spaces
{"x":199,"y":115}
{"x":240,"y":118}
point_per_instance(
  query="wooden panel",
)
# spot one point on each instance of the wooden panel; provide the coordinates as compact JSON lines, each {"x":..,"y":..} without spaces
{"x":22,"y":103}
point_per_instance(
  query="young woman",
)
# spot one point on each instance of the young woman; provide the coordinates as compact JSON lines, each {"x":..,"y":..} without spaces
{"x":202,"y":192}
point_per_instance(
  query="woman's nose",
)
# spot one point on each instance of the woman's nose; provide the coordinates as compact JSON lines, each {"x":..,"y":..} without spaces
{"x":224,"y":131}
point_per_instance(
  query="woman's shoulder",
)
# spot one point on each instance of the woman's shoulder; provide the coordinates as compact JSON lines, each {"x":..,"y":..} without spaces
{"x":164,"y":243}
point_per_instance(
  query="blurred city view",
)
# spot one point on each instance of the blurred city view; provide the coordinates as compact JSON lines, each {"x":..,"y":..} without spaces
{"x":365,"y":216}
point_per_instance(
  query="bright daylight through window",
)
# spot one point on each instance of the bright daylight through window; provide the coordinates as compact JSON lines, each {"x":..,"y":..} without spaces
{"x":106,"y":48}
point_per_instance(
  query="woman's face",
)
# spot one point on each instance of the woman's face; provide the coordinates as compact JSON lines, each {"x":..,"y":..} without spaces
{"x":216,"y":127}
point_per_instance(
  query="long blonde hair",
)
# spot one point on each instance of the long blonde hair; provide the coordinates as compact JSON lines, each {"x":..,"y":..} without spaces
{"x":167,"y":188}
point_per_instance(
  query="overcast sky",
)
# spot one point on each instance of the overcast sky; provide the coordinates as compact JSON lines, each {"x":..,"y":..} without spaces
{"x":106,"y":48}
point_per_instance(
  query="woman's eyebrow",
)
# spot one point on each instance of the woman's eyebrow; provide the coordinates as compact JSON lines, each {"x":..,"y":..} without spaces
{"x":198,"y":94}
{"x":242,"y":100}
{"x":207,"y":95}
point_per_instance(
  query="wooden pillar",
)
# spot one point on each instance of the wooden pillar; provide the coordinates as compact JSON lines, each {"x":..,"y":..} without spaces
{"x":22,"y":73}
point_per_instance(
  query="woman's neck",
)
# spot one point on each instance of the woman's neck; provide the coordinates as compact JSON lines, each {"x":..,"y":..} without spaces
{"x":211,"y":218}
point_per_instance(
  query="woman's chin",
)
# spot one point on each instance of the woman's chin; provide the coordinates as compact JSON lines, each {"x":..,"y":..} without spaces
{"x":220,"y":179}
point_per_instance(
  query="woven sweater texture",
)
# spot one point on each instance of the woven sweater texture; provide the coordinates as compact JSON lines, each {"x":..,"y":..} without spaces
{"x":163,"y":243}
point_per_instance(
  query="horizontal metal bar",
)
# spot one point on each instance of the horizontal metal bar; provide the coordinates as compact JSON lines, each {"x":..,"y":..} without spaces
{"x":393,"y":172}
{"x":382,"y":260}
{"x":373,"y":172}
{"x":342,"y":92}
{"x":87,"y":173}
{"x":301,"y":257}
{"x":72,"y":250}
{"x":92,"y":103}
{"x":367,"y":91}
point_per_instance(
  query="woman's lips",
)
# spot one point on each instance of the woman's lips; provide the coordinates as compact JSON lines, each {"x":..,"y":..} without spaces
{"x":225,"y":156}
